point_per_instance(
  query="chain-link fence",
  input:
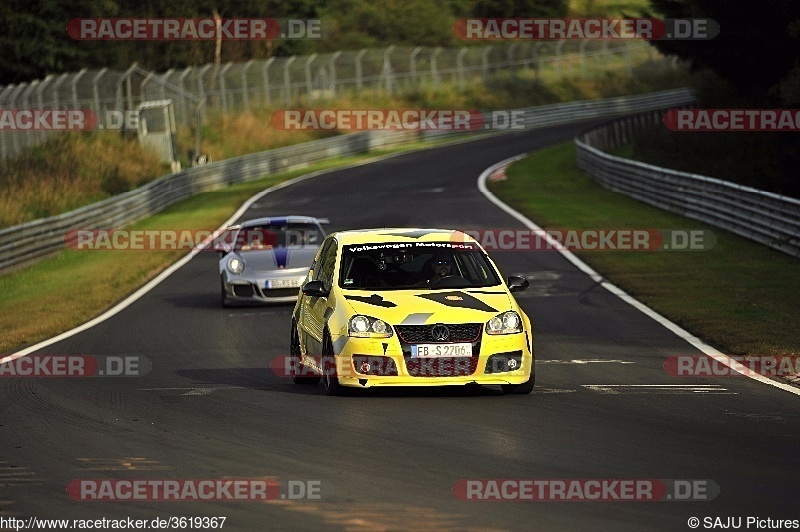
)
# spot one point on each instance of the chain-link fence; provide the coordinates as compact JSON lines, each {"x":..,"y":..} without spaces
{"x":316,"y":78}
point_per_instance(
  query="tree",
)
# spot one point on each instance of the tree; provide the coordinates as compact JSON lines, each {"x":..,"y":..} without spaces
{"x":755,"y":51}
{"x":34,"y":41}
{"x":520,"y":8}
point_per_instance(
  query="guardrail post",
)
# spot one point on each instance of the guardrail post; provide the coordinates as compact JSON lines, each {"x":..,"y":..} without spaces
{"x":74,"y":89}
{"x":223,"y":90}
{"x":628,"y":59}
{"x":14,"y":95}
{"x":332,"y":67}
{"x":129,"y":86}
{"x":386,"y":71}
{"x":287,"y":82}
{"x":163,"y":80}
{"x":412,"y":65}
{"x":510,"y":61}
{"x":96,"y":91}
{"x":582,"y":52}
{"x":460,"y":67}
{"x":182,"y":101}
{"x":485,"y":64}
{"x":307,"y":69}
{"x":559,"y":45}
{"x":359,"y":71}
{"x":29,"y":135}
{"x":4,"y":153}
{"x":245,"y":95}
{"x":435,"y":68}
{"x":536,"y":66}
{"x":39,"y":101}
{"x":265,"y":77}
{"x":200,"y":85}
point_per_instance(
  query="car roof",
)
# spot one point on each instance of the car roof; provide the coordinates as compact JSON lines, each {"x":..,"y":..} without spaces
{"x":401,"y":234}
{"x":268,"y":220}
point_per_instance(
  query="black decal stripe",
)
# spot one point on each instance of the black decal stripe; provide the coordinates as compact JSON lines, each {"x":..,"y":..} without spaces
{"x":487,"y":292}
{"x":374,"y":299}
{"x":414,"y":234}
{"x":466,"y":301}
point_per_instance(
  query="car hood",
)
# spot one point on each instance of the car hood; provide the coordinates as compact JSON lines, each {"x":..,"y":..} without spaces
{"x":277,"y":259}
{"x":420,"y":307}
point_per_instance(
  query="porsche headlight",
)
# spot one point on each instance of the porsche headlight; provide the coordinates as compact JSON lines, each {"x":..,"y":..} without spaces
{"x":235,"y":265}
{"x":367,"y":327}
{"x":506,"y":323}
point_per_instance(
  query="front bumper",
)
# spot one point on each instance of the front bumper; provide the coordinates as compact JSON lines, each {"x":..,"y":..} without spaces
{"x":366,"y":362}
{"x":254,"y":290}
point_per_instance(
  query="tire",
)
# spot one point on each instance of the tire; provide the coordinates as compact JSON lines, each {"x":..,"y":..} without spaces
{"x":294,"y":353}
{"x":223,"y":293}
{"x":525,"y":387}
{"x":329,"y":382}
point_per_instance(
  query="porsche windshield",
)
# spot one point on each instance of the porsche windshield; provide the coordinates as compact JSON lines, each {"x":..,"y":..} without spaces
{"x":397,"y":266}
{"x":277,"y":235}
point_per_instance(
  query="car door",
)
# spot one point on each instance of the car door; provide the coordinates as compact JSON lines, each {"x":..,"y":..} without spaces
{"x":314,"y":309}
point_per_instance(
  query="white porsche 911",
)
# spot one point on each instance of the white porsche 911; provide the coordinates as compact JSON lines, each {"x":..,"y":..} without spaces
{"x":267,"y":259}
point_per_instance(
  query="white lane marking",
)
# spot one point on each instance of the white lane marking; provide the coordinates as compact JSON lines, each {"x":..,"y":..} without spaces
{"x":584,"y":361}
{"x":669,"y":389}
{"x":759,"y":417}
{"x":717,"y":355}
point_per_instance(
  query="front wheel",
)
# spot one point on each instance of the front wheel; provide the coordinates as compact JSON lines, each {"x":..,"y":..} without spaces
{"x":223,"y":293}
{"x":525,"y":387}
{"x":329,"y":382}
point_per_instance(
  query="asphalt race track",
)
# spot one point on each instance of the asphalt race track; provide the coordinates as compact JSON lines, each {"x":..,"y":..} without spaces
{"x":211,"y":408}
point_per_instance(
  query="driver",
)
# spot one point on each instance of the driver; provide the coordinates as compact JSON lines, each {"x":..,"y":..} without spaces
{"x":441,"y":266}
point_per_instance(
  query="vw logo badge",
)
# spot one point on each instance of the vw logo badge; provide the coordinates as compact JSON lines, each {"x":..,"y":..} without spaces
{"x":440,"y":332}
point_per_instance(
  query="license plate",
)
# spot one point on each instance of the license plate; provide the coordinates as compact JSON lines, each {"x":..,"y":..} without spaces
{"x":284,"y":283}
{"x":441,"y":350}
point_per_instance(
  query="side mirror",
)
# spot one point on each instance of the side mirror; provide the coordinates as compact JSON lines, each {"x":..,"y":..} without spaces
{"x":223,"y":248}
{"x":315,"y":289}
{"x":517,"y":284}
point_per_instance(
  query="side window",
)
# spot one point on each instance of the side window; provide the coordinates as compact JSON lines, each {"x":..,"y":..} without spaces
{"x":326,"y":264}
{"x":326,"y":245}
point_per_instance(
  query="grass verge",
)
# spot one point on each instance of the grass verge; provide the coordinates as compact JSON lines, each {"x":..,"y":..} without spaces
{"x":736,"y":296}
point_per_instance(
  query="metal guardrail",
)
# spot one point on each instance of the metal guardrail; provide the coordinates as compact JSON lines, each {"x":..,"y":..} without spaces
{"x":27,"y":243}
{"x":765,"y":217}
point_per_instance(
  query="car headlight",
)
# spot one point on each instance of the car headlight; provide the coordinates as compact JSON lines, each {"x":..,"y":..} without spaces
{"x":505,"y":323}
{"x":367,"y":327}
{"x":235,"y":265}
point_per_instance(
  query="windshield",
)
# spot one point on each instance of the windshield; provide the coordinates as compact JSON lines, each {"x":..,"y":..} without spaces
{"x":278,"y":235}
{"x":399,"y":266}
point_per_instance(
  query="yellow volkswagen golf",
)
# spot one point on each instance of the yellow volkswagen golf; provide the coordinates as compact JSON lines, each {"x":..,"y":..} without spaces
{"x":409,"y":307}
